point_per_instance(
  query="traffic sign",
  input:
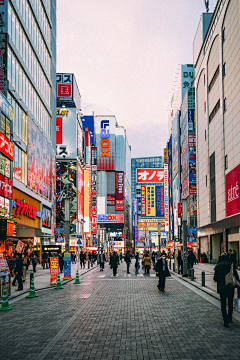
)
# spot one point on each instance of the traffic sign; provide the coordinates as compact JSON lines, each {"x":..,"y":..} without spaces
{"x":79,"y":243}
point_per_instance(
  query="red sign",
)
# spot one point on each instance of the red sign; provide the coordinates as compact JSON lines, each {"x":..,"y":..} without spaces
{"x":179,"y":210}
{"x":150,"y":175}
{"x":232,"y":192}
{"x":143,"y":200}
{"x":119,"y":190}
{"x":192,"y":189}
{"x":192,"y":140}
{"x":6,"y":147}
{"x":25,"y":209}
{"x":6,"y":187}
{"x":64,"y":90}
{"x":58,"y":130}
{"x":54,"y":270}
{"x":19,"y":246}
{"x":111,"y":200}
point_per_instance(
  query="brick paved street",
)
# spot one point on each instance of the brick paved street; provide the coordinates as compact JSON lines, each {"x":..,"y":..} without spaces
{"x":118,"y":318}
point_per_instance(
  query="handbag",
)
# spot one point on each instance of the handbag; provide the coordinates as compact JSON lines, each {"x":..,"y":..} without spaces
{"x":150,"y":267}
{"x":230,"y":279}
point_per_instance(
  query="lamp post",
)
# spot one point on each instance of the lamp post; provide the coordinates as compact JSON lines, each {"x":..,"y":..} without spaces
{"x":184,"y":225}
{"x":67,"y":223}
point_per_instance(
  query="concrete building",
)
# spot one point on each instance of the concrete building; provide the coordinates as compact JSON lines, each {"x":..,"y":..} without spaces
{"x":28,"y":76}
{"x":217,"y":72}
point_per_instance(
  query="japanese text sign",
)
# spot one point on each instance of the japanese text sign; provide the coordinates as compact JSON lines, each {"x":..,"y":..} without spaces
{"x":150,"y":175}
{"x":143,"y":200}
{"x":6,"y":187}
{"x":232,"y":192}
{"x":54,"y":270}
{"x":6,"y":147}
{"x":119,"y":190}
{"x":19,"y":246}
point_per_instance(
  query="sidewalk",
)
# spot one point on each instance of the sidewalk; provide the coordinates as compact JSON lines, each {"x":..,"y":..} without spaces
{"x":42,"y":279}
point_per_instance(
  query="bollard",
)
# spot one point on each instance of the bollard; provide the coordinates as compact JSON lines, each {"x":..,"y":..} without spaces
{"x":31,"y":278}
{"x":192,"y":274}
{"x":88,"y":264}
{"x":203,"y":278}
{"x":174,"y":267}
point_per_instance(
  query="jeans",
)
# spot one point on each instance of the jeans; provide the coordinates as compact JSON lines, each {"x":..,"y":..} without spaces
{"x":137,"y":268}
{"x":223,"y":297}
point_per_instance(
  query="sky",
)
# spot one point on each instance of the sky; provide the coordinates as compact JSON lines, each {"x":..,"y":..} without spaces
{"x":124,"y":54}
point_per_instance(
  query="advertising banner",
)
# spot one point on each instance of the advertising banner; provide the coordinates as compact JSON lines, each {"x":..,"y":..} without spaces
{"x":192,"y":167}
{"x":6,"y":146}
{"x":143,"y":200}
{"x":232,"y":192}
{"x":110,"y":199}
{"x":86,"y":200}
{"x":119,"y":190}
{"x":166,"y":197}
{"x":46,"y":217}
{"x":94,"y":156}
{"x":160,"y":201}
{"x":150,"y":175}
{"x":39,"y":161}
{"x":94,"y":197}
{"x":67,"y":265}
{"x":19,"y":246}
{"x":191,"y":120}
{"x":165,"y":151}
{"x":80,"y":141}
{"x":175,"y":145}
{"x":6,"y":187}
{"x":3,"y":62}
{"x":150,"y":200}
{"x":111,"y":218}
{"x":54,"y":270}
{"x":191,"y":140}
{"x":80,"y":193}
{"x":105,"y":142}
{"x":192,"y":234}
{"x":192,"y":189}
{"x":59,"y":234}
{"x":136,"y":219}
{"x":58,"y":130}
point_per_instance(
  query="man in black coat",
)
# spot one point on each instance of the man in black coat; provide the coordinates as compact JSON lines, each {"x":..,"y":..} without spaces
{"x":162,"y":271}
{"x":102,"y":259}
{"x":180,"y":262}
{"x":114,"y":262}
{"x":191,"y":259}
{"x":19,"y":272}
{"x":61,"y":261}
{"x":221,"y":270}
{"x":128,"y":261}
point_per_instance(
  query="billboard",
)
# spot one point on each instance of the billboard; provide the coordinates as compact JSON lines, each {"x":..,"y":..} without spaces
{"x":166,"y":197}
{"x":136,"y":219}
{"x":110,"y":199}
{"x":191,"y":140}
{"x":86,"y":200}
{"x":191,"y":120}
{"x":111,"y":218}
{"x":68,"y":133}
{"x":6,"y":147}
{"x":160,"y":201}
{"x":165,"y":151}
{"x":150,"y":175}
{"x":6,"y":187}
{"x":66,"y":186}
{"x":143,"y":200}
{"x":232,"y":192}
{"x":119,"y":180}
{"x":150,"y":200}
{"x":105,"y":141}
{"x":46,"y":217}
{"x":80,"y":193}
{"x":94,"y":198}
{"x":39,"y":175}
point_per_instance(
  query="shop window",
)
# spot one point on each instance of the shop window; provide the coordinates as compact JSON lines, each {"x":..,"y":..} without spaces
{"x":5,"y":166}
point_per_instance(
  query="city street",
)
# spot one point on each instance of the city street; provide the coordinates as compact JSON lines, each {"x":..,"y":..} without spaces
{"x":118,"y":318}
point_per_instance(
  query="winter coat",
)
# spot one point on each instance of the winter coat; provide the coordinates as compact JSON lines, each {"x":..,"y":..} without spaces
{"x":128,"y":258}
{"x":61,"y":261}
{"x":19,"y":266}
{"x":221,"y":270}
{"x":159,"y":267}
{"x":180,"y":260}
{"x":191,"y":258}
{"x":146,"y":260}
{"x":114,"y":262}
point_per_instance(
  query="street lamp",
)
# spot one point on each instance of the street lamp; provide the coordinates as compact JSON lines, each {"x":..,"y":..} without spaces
{"x":67,"y":223}
{"x":184,"y":224}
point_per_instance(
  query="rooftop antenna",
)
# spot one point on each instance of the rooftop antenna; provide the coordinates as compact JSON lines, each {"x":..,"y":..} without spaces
{"x":207,"y":5}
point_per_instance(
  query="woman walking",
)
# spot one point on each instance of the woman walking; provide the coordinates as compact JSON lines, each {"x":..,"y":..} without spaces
{"x":137,"y":264}
{"x":146,"y":263}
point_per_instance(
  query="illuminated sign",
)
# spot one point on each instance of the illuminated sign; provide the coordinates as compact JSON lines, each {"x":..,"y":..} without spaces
{"x":150,"y":200}
{"x":136,"y":219}
{"x":119,"y":190}
{"x":166,"y":197}
{"x":62,"y":112}
{"x":111,"y":218}
{"x":104,"y":138}
{"x":26,"y":209}
{"x":143,"y":200}
{"x":6,"y":187}
{"x":160,"y":201}
{"x":6,"y":147}
{"x":94,"y":198}
{"x":150,"y":175}
{"x":58,"y":130}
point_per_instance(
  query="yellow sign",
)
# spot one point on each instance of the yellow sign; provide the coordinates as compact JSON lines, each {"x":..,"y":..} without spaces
{"x":62,"y":112}
{"x":150,"y":200}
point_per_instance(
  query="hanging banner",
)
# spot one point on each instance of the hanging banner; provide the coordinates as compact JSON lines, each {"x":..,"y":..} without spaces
{"x":67,"y":265}
{"x":143,"y":200}
{"x":136,"y":219}
{"x":19,"y":246}
{"x":119,"y":190}
{"x":160,"y":201}
{"x":166,"y":197}
{"x":54,"y":270}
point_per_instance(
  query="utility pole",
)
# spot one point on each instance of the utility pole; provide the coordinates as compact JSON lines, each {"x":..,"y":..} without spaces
{"x":67,"y":223}
{"x":184,"y":225}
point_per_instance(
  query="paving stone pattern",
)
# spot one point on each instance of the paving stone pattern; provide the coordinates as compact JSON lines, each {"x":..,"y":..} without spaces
{"x":126,"y":318}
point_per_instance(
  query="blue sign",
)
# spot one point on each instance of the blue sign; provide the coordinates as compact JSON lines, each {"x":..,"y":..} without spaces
{"x":160,"y":201}
{"x":67,"y":265}
{"x":6,"y":107}
{"x":191,"y":119}
{"x":79,"y":236}
{"x":136,"y":219}
{"x":79,"y":243}
{"x":117,"y":236}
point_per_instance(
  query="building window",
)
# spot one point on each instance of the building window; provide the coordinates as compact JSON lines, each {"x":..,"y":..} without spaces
{"x":224,"y":70}
{"x":214,"y":111}
{"x":205,"y":106}
{"x":226,"y":162}
{"x":224,"y":105}
{"x":20,"y":165}
{"x":213,"y":80}
{"x":5,"y":126}
{"x":212,"y":188}
{"x":5,"y":166}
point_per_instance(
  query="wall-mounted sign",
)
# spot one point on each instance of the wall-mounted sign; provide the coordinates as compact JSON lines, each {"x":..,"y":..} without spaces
{"x":105,"y":142}
{"x":64,"y":86}
{"x":166,"y":197}
{"x":22,"y":208}
{"x":160,"y":201}
{"x":165,"y":150}
{"x":94,"y":198}
{"x":150,"y":175}
{"x":136,"y":219}
{"x":3,"y":62}
{"x":233,"y":192}
{"x":119,"y":190}
{"x":46,"y":217}
{"x":143,"y":200}
{"x":6,"y":147}
{"x":62,"y":111}
{"x":6,"y":187}
{"x":110,"y":199}
{"x":58,"y":130}
{"x":111,"y":218}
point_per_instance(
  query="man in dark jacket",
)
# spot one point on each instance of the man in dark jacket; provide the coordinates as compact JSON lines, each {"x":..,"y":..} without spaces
{"x":180,"y":262}
{"x":61,"y":261}
{"x":128,"y":261}
{"x":221,"y":270}
{"x":102,"y":259}
{"x":191,"y":259}
{"x":114,"y":262}
{"x":162,"y":271}
{"x":82,"y":259}
{"x":19,"y":272}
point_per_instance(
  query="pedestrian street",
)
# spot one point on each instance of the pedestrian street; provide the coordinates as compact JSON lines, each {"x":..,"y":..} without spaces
{"x":124,"y":317}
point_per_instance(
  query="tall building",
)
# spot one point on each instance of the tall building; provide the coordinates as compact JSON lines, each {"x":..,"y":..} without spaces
{"x":28,"y":75}
{"x":147,"y":179}
{"x":217,"y":71}
{"x":114,"y":184}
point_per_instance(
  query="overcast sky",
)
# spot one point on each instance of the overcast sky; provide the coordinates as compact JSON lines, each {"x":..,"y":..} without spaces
{"x":124,"y":54}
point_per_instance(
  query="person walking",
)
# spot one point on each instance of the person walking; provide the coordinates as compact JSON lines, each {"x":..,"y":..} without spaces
{"x":19,"y":272}
{"x":162,"y":271}
{"x":44,"y":260}
{"x":180,"y":262}
{"x":114,"y":262}
{"x":153,"y":257}
{"x":128,"y":261}
{"x":191,"y":259}
{"x":234,"y":259}
{"x":61,"y":261}
{"x":121,"y":256}
{"x":25,"y":267}
{"x":82,"y":259}
{"x":102,"y":260}
{"x":222,"y":268}
{"x":137,"y":264}
{"x":33,"y":258}
{"x":146,"y":263}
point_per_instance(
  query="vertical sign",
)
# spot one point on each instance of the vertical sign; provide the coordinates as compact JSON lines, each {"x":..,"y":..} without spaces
{"x":119,"y":190}
{"x":165,"y":155}
{"x":150,"y":200}
{"x":67,"y":265}
{"x":94,"y":189}
{"x":166,"y":196}
{"x":58,"y":130}
{"x":160,"y":201}
{"x":153,"y":207}
{"x":143,"y":200}
{"x":54,"y":270}
{"x":3,"y":62}
{"x":136,"y":219}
